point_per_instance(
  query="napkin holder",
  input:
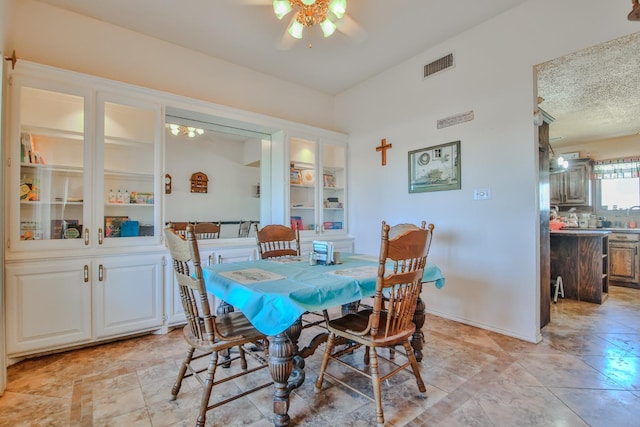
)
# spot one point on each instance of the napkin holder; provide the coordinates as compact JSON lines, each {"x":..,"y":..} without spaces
{"x":323,"y":252}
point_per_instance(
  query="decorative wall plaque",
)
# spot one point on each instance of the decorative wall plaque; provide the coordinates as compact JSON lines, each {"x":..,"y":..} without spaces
{"x":199,"y":182}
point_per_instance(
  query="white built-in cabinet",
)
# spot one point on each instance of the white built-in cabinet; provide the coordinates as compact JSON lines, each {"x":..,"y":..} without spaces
{"x":84,"y":174}
{"x":82,"y":263}
{"x":317,"y":186}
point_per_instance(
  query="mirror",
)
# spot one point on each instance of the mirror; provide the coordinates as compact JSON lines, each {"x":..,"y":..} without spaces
{"x":229,"y":154}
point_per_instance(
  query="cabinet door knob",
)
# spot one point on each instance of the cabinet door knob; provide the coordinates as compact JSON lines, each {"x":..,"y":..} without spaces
{"x":100,"y":236}
{"x":100,"y":273}
{"x":86,"y":273}
{"x":86,"y":237}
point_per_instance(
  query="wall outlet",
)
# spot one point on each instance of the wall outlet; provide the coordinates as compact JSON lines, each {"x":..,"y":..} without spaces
{"x":481,"y":194}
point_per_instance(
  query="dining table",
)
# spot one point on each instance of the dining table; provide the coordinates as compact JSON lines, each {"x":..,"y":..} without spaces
{"x":274,"y":293}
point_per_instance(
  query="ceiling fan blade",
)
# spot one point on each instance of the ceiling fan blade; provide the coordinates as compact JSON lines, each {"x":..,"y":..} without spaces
{"x":286,"y":41}
{"x":347,"y":25}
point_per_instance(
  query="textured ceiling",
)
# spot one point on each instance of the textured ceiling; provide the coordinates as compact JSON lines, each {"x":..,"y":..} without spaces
{"x":593,"y":93}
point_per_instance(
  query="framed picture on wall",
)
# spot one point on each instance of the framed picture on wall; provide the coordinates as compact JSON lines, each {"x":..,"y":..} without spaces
{"x":435,"y":168}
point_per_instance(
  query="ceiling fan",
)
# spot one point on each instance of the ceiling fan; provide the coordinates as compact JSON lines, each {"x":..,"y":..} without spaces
{"x":328,"y":15}
{"x":634,"y":15}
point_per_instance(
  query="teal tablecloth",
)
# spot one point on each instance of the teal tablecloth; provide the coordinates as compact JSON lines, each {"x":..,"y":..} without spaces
{"x":272,"y":304}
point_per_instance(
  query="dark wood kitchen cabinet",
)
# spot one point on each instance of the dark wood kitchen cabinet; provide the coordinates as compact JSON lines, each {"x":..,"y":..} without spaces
{"x":571,"y":186}
{"x":581,"y":257}
{"x":624,"y":258}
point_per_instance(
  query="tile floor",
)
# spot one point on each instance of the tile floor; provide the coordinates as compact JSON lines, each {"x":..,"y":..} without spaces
{"x":586,"y":372}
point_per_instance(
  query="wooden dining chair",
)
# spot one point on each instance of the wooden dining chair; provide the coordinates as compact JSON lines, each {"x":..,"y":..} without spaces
{"x":207,"y":230}
{"x":207,"y":335}
{"x":276,"y":241}
{"x":401,"y":265}
{"x":179,"y":227}
{"x":244,"y":229}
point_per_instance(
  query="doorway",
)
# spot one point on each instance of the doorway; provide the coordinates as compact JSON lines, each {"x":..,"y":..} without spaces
{"x":591,"y":97}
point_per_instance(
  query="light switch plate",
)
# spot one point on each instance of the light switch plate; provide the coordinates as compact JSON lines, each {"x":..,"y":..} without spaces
{"x":481,"y":194}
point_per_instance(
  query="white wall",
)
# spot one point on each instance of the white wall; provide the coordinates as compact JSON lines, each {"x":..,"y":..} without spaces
{"x":230,"y":189}
{"x":51,"y":36}
{"x":602,"y":149}
{"x":488,"y":250}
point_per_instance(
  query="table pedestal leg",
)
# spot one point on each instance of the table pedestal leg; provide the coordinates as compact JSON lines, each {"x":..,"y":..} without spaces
{"x":280,"y":367}
{"x":417,"y":340}
{"x":293,"y":332}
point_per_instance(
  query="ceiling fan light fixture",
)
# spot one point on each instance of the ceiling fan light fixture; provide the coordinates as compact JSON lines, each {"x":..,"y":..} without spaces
{"x":296,"y":29}
{"x":189,"y":131}
{"x":281,"y":8}
{"x":309,"y":13}
{"x":338,"y":7}
{"x":328,"y":27}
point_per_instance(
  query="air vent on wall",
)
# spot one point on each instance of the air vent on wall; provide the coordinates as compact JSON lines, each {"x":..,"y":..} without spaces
{"x":438,"y":65}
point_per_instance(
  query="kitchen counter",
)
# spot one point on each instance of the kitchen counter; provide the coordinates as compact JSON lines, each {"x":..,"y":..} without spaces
{"x":584,"y":231}
{"x":623,"y":230}
{"x":580,"y":256}
{"x":608,"y":229}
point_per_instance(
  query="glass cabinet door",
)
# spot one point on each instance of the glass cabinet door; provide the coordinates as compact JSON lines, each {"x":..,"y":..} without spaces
{"x":126,"y":178}
{"x":317,"y":185}
{"x":303,"y":178}
{"x":332,"y":184}
{"x":50,"y":187}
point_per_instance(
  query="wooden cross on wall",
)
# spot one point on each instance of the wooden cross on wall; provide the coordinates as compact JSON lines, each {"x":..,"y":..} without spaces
{"x":383,"y":149}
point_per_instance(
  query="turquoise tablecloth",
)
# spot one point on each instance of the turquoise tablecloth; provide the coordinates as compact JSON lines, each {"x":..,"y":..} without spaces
{"x":272,"y":304}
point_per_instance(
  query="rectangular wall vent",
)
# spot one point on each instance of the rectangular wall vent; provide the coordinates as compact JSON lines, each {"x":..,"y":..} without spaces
{"x":438,"y":65}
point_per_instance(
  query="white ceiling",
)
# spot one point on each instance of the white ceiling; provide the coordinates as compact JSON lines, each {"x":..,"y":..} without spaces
{"x":591,"y":94}
{"x":246,"y":32}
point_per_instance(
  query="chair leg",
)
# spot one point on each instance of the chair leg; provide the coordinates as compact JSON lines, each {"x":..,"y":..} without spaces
{"x":206,"y":393}
{"x":183,"y":370}
{"x":375,"y":379}
{"x":366,"y":356}
{"x":414,"y":366}
{"x":325,"y":360}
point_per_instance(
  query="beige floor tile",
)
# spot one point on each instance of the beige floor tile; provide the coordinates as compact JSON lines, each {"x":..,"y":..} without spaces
{"x":586,"y":371}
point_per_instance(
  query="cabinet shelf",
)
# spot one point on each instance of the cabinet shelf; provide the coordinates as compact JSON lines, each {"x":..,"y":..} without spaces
{"x":116,"y":140}
{"x":136,"y":205}
{"x":53,"y":132}
{"x":116,"y":173}
{"x":43,"y":203}
{"x":53,"y":168}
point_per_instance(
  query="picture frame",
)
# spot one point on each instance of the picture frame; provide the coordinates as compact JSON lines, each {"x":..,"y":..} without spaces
{"x":435,"y":168}
{"x":328,"y":180}
{"x":295,"y":176}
